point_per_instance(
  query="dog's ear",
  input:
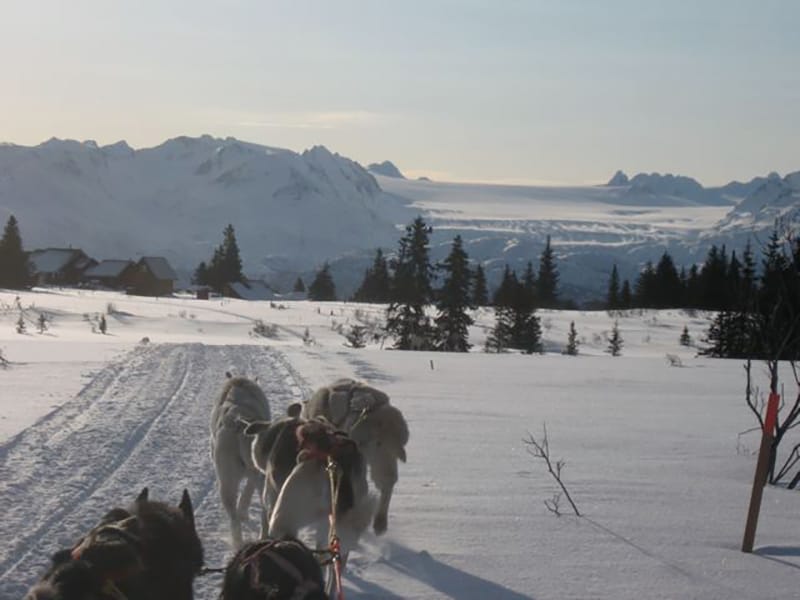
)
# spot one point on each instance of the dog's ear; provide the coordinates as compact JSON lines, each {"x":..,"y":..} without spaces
{"x":401,"y":454}
{"x":186,"y":507}
{"x":257,"y":427}
{"x":228,"y":375}
{"x":143,"y":495}
{"x":294,"y":410}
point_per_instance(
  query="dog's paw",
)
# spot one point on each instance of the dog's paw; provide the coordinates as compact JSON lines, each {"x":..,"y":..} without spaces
{"x":380,"y":524}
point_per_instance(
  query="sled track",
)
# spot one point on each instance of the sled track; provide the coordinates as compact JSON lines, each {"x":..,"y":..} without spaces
{"x":143,"y":420}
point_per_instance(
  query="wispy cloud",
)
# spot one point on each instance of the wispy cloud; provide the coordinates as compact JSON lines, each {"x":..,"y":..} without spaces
{"x":313,"y":120}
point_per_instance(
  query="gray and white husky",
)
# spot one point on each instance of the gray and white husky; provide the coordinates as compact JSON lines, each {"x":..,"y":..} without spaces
{"x":378,"y":428}
{"x":241,"y":402}
{"x":292,"y":453}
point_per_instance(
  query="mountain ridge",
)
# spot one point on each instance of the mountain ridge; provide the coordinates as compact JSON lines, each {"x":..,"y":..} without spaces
{"x":292,"y":211}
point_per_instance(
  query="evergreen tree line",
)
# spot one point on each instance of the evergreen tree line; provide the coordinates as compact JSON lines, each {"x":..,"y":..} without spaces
{"x":720,"y":283}
{"x":378,"y":285}
{"x":406,"y":283}
{"x":764,"y":320}
{"x":757,"y":301}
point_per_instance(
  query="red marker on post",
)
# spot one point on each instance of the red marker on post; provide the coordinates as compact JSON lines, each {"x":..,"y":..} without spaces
{"x":762,"y":468}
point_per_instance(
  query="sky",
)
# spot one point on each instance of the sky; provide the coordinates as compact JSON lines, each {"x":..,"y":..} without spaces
{"x":458,"y":90}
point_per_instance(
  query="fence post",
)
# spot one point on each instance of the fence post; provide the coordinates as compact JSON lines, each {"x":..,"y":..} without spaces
{"x":762,"y":470}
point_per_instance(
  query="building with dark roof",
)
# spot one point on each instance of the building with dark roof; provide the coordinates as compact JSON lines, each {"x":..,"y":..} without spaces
{"x":107,"y":273}
{"x":151,"y":276}
{"x":249,"y":289}
{"x":59,"y":266}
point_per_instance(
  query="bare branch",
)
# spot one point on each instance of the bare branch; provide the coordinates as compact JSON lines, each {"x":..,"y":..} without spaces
{"x":541,"y":449}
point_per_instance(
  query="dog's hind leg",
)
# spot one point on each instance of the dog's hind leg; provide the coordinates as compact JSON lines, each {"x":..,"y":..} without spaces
{"x":251,"y":483}
{"x":228,"y":489}
{"x":303,"y":499}
{"x":383,"y":472}
{"x":230,"y":471}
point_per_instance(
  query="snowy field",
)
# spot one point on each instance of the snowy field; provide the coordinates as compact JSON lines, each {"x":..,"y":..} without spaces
{"x":652,"y":455}
{"x":600,"y":207}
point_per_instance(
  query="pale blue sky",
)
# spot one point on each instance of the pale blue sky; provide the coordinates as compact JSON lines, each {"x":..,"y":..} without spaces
{"x":514,"y":91}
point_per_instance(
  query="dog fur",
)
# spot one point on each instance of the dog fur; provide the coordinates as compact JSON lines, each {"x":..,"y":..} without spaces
{"x":297,"y":488}
{"x":149,"y":551}
{"x":374,"y":424}
{"x":273,"y":569}
{"x":241,"y":402}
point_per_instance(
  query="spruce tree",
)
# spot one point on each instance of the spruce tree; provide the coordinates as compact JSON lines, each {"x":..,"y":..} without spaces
{"x":516,"y":324}
{"x":685,"y":339}
{"x":667,"y":290}
{"x":322,"y":288}
{"x":356,"y":337}
{"x":411,"y":290}
{"x":747,"y":291}
{"x":645,"y":292}
{"x":215,"y":276}
{"x":572,"y":340}
{"x":480,"y":293}
{"x":231,"y":261}
{"x":612,"y":298}
{"x":299,"y":287}
{"x":526,"y":332}
{"x":529,"y":283}
{"x":547,"y":283}
{"x":15,"y":270}
{"x":200,"y":276}
{"x":375,"y":287}
{"x":693,"y":291}
{"x":625,"y":296}
{"x":713,"y":277}
{"x":504,"y":294}
{"x":453,"y":320}
{"x":499,"y":338}
{"x":615,"y":341}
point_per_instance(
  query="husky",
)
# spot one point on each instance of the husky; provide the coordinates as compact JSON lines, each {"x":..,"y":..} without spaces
{"x":241,"y":402}
{"x":293,"y":454}
{"x":378,"y":428}
{"x":273,"y":569}
{"x":148,"y":551}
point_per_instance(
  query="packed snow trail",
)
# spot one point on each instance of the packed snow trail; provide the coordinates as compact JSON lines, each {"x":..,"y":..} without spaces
{"x":141,"y":421}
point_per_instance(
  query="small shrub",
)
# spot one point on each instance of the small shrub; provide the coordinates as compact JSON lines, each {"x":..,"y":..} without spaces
{"x":572,"y":341}
{"x":685,"y":339}
{"x":41,"y":322}
{"x":102,"y":325}
{"x":615,"y":341}
{"x":21,"y":324}
{"x":110,"y":308}
{"x":267,"y":330}
{"x":356,"y":336}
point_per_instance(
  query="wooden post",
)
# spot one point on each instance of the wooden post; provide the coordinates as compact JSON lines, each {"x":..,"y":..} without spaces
{"x":762,"y":470}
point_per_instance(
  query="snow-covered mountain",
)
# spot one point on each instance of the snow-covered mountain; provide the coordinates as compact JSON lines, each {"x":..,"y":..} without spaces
{"x":289,"y":210}
{"x":386,"y":168}
{"x":292,"y":211}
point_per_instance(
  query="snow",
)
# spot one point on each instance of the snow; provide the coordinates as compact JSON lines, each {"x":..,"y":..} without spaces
{"x":292,"y":212}
{"x":652,"y":456}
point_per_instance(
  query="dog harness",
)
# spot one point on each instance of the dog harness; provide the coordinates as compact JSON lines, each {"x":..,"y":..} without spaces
{"x":267,"y":550}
